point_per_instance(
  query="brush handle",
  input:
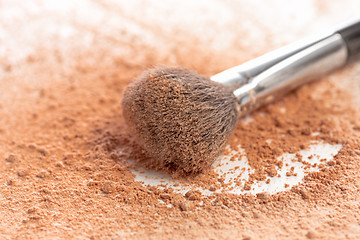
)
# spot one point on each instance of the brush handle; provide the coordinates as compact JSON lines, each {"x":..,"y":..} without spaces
{"x":273,"y":75}
{"x":351,"y":34}
{"x":235,"y":77}
{"x":296,"y":70}
{"x":242,"y":74}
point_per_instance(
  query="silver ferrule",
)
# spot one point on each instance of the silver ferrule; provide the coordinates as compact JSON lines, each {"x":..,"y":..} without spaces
{"x":268,"y":80}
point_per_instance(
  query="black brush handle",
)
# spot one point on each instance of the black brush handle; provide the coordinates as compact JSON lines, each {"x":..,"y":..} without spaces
{"x":351,"y":35}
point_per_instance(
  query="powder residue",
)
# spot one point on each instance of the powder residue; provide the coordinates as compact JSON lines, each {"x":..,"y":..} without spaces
{"x":66,"y":154}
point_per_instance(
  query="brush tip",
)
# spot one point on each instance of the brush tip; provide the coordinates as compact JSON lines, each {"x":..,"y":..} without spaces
{"x":181,"y":118}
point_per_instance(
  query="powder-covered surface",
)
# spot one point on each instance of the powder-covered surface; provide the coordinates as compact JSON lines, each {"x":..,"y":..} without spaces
{"x":65,"y":150}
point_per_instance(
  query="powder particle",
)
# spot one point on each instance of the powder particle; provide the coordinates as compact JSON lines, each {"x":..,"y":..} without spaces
{"x":11,"y":158}
{"x":23,"y":173}
{"x":263,"y":196}
{"x":245,"y":237}
{"x":193,"y":195}
{"x":212,"y":188}
{"x":184,"y":206}
{"x":311,"y":235}
{"x":43,"y":174}
{"x":107,"y":187}
{"x":165,"y":196}
{"x":305,"y":194}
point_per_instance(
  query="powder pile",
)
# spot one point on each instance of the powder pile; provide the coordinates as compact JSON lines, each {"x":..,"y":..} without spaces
{"x":65,"y":150}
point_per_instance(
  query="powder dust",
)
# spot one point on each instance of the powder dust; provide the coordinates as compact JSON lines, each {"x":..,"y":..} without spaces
{"x":66,"y":151}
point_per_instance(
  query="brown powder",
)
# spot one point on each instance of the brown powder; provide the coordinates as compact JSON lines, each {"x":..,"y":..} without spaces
{"x":66,"y":149}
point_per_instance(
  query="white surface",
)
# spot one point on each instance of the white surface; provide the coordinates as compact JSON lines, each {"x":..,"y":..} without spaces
{"x":239,"y":169}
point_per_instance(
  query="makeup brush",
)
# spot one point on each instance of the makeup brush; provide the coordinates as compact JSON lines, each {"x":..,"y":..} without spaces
{"x":184,"y":120}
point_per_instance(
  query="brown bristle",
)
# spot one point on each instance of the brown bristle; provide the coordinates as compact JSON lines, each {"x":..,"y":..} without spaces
{"x":181,"y":118}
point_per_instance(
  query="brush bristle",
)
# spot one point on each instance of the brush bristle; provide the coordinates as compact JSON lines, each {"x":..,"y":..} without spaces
{"x":181,"y":118}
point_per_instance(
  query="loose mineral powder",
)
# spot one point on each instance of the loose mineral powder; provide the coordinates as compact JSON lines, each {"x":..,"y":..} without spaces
{"x":69,"y":164}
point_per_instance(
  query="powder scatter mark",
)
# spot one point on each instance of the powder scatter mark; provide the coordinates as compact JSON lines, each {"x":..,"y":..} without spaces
{"x":311,"y":234}
{"x":11,"y":158}
{"x":43,"y":174}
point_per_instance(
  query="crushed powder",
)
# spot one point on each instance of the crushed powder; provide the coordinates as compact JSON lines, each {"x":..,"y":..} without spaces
{"x":66,"y":150}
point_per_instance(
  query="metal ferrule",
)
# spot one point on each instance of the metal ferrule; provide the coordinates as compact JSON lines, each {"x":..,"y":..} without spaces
{"x":269,"y":77}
